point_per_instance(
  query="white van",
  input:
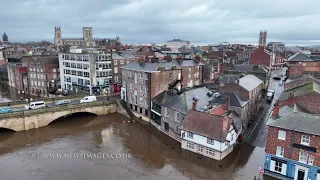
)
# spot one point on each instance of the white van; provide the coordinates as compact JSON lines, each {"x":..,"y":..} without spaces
{"x":35,"y":105}
{"x":88,"y":99}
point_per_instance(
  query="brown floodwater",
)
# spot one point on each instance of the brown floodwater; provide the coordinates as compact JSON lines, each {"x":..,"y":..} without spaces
{"x":49,"y":153}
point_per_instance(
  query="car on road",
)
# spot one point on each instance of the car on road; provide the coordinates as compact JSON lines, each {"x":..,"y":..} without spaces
{"x":88,"y":99}
{"x":270,"y":95}
{"x":5,"y":109}
{"x":35,"y":105}
{"x":63,"y":102}
{"x":277,"y":77}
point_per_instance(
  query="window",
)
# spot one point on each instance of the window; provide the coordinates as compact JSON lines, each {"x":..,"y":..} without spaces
{"x":41,"y":70}
{"x":115,"y":62}
{"x":166,"y":112}
{"x":305,"y":140}
{"x":280,"y":151}
{"x":86,"y":74}
{"x":190,"y":135}
{"x":200,"y":149}
{"x":140,"y":100}
{"x":282,"y":135}
{"x":190,"y":145}
{"x":141,"y":75}
{"x":30,"y":69}
{"x":116,"y":78}
{"x":85,"y":66}
{"x":146,"y":76}
{"x":210,"y":152}
{"x":140,"y":88}
{"x":303,"y":156}
{"x":210,"y":141}
{"x":130,"y":72}
{"x":42,"y":83}
{"x":115,"y":69}
{"x":121,"y":61}
{"x":311,"y":159}
{"x":189,"y":69}
{"x":146,"y":103}
{"x":146,"y":90}
{"x":171,"y":75}
{"x":232,"y":137}
{"x":124,"y":84}
{"x":176,"y":116}
{"x":278,"y":166}
{"x":227,"y":143}
{"x":129,"y":85}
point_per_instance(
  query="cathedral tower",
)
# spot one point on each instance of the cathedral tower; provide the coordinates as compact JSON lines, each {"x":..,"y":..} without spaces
{"x":57,"y":36}
{"x":4,"y":38}
{"x":87,"y":36}
{"x":263,"y":38}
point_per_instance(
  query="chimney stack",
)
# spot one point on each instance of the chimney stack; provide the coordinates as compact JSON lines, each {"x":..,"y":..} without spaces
{"x":276,"y":110}
{"x":291,"y":99}
{"x":228,"y":104}
{"x":225,"y":123}
{"x":194,"y":103}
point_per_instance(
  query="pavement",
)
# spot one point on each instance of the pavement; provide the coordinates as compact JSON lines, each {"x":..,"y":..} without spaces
{"x":49,"y":103}
{"x":258,"y":132}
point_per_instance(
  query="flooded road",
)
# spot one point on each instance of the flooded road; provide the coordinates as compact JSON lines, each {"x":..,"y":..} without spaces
{"x":24,"y":155}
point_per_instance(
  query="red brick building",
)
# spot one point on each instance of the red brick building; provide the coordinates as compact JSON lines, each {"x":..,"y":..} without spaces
{"x":261,"y":57}
{"x":300,"y":63}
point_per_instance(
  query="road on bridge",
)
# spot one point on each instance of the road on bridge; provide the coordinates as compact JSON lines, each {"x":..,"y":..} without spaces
{"x":49,"y":102}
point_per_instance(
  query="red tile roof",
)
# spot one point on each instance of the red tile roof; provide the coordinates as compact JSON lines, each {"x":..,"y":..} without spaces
{"x":208,"y":125}
{"x":219,"y":111}
{"x":309,"y":101}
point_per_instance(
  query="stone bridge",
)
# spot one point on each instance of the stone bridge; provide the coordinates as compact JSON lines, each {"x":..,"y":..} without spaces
{"x":25,"y":120}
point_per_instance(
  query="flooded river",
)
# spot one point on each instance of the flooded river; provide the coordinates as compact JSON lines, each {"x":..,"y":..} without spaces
{"x":54,"y":152}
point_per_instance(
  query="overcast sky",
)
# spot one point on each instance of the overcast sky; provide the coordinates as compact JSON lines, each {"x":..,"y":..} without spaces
{"x":147,"y":21}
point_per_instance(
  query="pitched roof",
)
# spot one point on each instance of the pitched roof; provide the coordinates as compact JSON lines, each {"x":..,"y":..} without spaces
{"x":249,"y":82}
{"x":298,"y":121}
{"x":117,"y":56}
{"x":153,"y":67}
{"x":219,"y":110}
{"x":299,"y":57}
{"x":249,"y":68}
{"x":183,"y":102}
{"x":206,"y":124}
{"x":235,"y":101}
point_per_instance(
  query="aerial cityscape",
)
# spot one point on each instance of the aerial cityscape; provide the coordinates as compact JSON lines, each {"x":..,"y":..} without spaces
{"x":137,"y":100}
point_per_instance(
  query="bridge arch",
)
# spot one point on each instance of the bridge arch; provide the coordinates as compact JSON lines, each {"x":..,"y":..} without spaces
{"x":71,"y":114}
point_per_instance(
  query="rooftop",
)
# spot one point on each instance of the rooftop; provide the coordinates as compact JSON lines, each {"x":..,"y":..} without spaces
{"x":235,"y":101}
{"x":154,"y":67}
{"x":249,"y":82}
{"x":207,"y":125}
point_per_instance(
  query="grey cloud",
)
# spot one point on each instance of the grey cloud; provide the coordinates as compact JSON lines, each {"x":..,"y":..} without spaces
{"x":146,"y":21}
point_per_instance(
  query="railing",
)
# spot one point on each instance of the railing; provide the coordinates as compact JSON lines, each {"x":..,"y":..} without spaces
{"x":54,"y":109}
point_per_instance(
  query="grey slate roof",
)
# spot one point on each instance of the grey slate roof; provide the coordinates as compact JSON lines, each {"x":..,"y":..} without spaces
{"x":235,"y":101}
{"x":183,"y":102}
{"x":116,"y":56}
{"x":128,"y":55}
{"x":249,"y":82}
{"x":298,"y":121}
{"x":153,"y":67}
{"x":249,"y":68}
{"x":299,"y":57}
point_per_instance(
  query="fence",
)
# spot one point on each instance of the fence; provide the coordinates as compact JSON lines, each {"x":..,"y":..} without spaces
{"x":54,"y":109}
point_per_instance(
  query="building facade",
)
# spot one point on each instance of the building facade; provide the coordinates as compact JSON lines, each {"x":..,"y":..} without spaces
{"x":87,"y":70}
{"x":143,"y":81}
{"x":87,"y":39}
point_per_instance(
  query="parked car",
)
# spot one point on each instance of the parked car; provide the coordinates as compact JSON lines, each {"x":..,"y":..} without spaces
{"x":63,"y":102}
{"x":270,"y":95}
{"x":88,"y":99}
{"x":277,"y":77}
{"x":36,"y":105}
{"x":5,"y":109}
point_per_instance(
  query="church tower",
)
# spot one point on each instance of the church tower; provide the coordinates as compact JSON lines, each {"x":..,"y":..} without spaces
{"x":57,"y":36}
{"x":4,"y":38}
{"x":87,"y":36}
{"x":263,"y":38}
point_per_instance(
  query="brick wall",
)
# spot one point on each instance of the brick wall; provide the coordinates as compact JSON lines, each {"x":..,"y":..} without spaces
{"x":260,"y":57}
{"x":291,"y":153}
{"x":160,"y":81}
{"x":300,"y":68}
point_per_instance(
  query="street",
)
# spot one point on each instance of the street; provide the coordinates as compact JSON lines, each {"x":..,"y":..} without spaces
{"x":258,"y":135}
{"x":73,"y":101}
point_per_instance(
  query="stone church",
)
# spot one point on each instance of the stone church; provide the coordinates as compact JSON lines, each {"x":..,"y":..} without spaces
{"x":86,"y":41}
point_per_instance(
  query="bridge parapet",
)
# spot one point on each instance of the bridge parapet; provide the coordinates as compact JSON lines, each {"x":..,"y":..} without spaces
{"x":54,"y":109}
